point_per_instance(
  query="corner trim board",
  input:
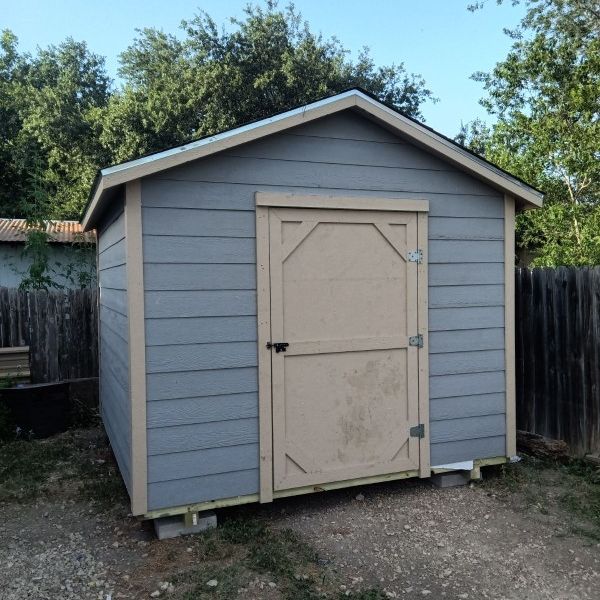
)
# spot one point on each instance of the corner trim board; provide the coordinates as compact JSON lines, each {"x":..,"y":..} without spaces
{"x":263,"y":298}
{"x":509,"y":324}
{"x":137,"y":346}
{"x":423,"y":328}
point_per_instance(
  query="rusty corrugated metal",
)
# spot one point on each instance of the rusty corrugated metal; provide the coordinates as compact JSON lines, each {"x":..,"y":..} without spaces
{"x":60,"y":232}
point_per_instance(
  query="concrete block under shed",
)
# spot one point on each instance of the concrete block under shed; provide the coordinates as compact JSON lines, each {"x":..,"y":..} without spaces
{"x":170,"y":527}
{"x":451,"y":479}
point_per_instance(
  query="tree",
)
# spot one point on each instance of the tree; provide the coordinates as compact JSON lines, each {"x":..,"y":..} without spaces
{"x":49,"y":111}
{"x":60,"y":116}
{"x":546,"y":97}
{"x":176,"y":90}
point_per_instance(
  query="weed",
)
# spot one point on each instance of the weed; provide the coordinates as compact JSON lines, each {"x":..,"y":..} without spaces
{"x":76,"y":460}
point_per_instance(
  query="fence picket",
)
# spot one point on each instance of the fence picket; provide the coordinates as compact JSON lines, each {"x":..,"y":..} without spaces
{"x":60,"y":328}
{"x":558,"y":354}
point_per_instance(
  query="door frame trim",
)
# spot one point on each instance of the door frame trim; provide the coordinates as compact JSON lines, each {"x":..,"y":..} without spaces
{"x":341,"y":202}
{"x":264,"y":201}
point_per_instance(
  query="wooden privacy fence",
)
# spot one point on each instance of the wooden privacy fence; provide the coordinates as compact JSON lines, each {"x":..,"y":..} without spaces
{"x":558,"y":354}
{"x":60,"y":328}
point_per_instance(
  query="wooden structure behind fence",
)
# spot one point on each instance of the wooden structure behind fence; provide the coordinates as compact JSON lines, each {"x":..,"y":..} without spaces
{"x":60,"y":327}
{"x":558,"y":354}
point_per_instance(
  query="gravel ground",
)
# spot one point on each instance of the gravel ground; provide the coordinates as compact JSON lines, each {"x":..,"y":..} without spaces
{"x":405,"y":539}
{"x":413,"y":540}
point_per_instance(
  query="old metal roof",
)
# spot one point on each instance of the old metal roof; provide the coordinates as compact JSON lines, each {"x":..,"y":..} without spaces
{"x":60,"y":232}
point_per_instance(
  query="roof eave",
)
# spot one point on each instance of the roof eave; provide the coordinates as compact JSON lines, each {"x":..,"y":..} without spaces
{"x":420,"y":134}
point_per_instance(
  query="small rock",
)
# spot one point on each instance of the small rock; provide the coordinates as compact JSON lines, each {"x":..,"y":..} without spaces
{"x":212,"y":583}
{"x":155,"y":594}
{"x":272,"y":584}
{"x":359,"y":497}
{"x":425,"y":592}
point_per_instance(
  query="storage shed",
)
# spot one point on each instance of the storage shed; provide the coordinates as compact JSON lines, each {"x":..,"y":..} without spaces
{"x":319,"y":299}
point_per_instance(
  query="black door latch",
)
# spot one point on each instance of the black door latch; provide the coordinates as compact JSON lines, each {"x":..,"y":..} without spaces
{"x":279,"y":346}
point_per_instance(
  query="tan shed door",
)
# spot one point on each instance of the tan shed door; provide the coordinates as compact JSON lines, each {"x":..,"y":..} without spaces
{"x":345,"y":391}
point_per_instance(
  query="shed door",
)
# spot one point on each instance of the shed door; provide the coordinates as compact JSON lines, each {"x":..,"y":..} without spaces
{"x":345,"y":391}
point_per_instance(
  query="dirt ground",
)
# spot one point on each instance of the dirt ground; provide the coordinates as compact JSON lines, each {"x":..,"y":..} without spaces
{"x":530,"y":530}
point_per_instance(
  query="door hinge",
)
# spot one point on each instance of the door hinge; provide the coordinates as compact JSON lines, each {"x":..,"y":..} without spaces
{"x":416,"y":340}
{"x":279,"y":346}
{"x":418,"y":431}
{"x":415,"y":256}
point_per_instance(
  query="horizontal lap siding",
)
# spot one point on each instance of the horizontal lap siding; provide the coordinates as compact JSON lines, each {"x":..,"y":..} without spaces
{"x":200,"y":300}
{"x":114,"y":347}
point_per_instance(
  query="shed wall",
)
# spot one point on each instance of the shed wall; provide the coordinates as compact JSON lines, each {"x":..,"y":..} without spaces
{"x":200,"y":299}
{"x":114,"y":343}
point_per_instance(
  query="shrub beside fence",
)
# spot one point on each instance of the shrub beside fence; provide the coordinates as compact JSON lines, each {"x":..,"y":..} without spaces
{"x":60,"y":328}
{"x":558,"y":354}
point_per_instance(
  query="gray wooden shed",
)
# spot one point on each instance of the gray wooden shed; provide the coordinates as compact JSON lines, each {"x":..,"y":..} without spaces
{"x":320,"y":299}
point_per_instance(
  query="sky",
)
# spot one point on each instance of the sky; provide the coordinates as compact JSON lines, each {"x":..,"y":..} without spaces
{"x":438,"y":39}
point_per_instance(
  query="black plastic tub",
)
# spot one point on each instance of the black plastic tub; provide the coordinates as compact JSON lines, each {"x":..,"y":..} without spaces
{"x":38,"y":410}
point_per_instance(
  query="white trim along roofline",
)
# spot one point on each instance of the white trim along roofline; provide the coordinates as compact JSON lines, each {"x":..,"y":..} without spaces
{"x":351,"y":99}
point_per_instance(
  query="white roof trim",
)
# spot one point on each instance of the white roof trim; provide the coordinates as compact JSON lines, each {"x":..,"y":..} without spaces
{"x":141,"y":167}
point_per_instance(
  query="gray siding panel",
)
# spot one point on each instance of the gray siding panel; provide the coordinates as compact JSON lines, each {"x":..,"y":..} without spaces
{"x":199,"y":277}
{"x":183,"y":438}
{"x":164,"y":386}
{"x":114,"y":351}
{"x":200,"y":489}
{"x":442,"y":409}
{"x":450,"y":363}
{"x":185,"y":411}
{"x":455,"y":430}
{"x":466,"y":295}
{"x":181,"y":250}
{"x":200,"y":298}
{"x":167,"y":331}
{"x":451,"y":452}
{"x":466,"y":274}
{"x":203,"y":303}
{"x":201,"y":195}
{"x":466,"y":340}
{"x":476,"y":317}
{"x":201,"y":357}
{"x":199,"y":463}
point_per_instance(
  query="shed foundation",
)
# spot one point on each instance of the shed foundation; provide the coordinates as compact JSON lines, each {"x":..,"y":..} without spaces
{"x":170,"y":527}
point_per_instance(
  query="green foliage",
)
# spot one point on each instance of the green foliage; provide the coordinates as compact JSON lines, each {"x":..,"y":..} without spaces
{"x":60,"y":116}
{"x":546,"y":96}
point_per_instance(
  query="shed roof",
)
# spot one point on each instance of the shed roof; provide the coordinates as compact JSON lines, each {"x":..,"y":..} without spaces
{"x":354,"y":99}
{"x":60,"y":232}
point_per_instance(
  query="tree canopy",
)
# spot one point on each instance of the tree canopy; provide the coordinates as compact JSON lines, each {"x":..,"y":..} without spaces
{"x":546,"y":97}
{"x":61,"y":118}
